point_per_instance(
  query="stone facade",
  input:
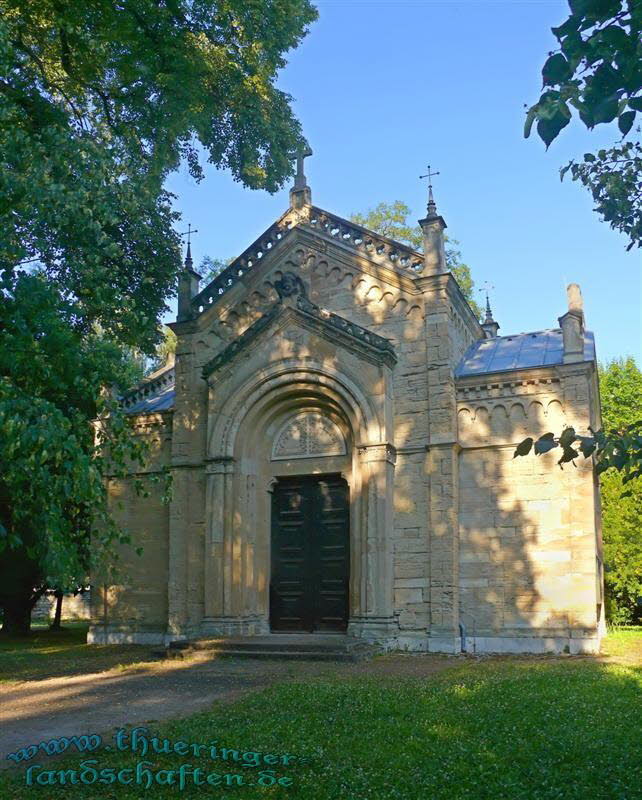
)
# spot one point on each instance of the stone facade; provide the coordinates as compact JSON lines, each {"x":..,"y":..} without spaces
{"x":325,"y":349}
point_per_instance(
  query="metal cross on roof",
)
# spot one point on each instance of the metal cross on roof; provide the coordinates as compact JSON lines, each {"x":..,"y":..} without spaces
{"x":188,"y":254}
{"x":432,"y":206}
{"x":189,"y":233}
{"x":430,"y":175}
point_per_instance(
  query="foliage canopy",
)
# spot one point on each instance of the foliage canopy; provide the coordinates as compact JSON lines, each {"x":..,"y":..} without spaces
{"x":621,"y":392}
{"x":597,"y":73}
{"x":99,"y":101}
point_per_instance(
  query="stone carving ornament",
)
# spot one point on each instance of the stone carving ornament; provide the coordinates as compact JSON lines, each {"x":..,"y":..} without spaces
{"x":289,"y":285}
{"x":306,"y":435}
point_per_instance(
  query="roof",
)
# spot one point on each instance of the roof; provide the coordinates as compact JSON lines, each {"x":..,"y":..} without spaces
{"x":393,"y":254}
{"x":522,"y":351}
{"x":157,"y":393}
{"x":499,"y":354}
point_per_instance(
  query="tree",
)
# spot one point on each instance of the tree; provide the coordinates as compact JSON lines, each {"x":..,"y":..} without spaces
{"x":621,"y":392}
{"x":391,"y":220}
{"x":99,"y":102}
{"x":210,"y":268}
{"x":54,"y":464}
{"x":597,"y":73}
{"x":166,"y":348}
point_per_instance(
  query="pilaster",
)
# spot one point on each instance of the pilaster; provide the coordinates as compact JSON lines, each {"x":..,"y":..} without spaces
{"x":375,"y":620}
{"x":441,"y":467}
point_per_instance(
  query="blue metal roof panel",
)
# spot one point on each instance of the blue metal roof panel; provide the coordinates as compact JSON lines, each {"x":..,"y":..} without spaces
{"x":522,"y":351}
{"x":162,"y":401}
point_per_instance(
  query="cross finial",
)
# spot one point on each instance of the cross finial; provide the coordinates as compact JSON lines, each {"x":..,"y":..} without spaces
{"x":300,"y":182}
{"x":188,"y":255}
{"x":432,"y":206}
{"x":488,"y":287}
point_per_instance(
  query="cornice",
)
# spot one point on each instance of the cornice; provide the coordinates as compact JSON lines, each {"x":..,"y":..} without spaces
{"x":508,"y":384}
{"x":370,"y":345}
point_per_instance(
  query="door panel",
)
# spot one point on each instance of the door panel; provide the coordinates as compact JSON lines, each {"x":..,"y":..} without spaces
{"x":310,"y":554}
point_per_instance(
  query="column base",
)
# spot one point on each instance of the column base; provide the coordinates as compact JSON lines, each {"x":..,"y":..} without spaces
{"x":234,"y":626}
{"x":378,"y":630}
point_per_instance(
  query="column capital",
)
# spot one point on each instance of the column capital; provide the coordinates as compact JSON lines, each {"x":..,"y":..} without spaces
{"x":381,"y":451}
{"x":219,"y":465}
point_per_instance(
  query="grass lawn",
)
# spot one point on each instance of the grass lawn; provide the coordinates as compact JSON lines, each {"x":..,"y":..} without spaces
{"x":491,"y":728}
{"x":626,"y":641}
{"x":49,"y":654}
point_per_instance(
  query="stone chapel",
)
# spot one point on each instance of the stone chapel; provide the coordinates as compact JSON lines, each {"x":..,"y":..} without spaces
{"x":340,"y":430}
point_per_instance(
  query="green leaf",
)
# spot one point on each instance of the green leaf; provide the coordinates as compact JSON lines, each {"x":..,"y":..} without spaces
{"x":625,"y":122}
{"x":556,"y":70}
{"x":587,"y":445}
{"x":523,"y":448}
{"x":635,"y":103}
{"x":605,"y":110}
{"x":549,"y":128}
{"x":569,"y":454}
{"x":545,"y":443}
{"x":567,"y":437}
{"x":531,"y":116}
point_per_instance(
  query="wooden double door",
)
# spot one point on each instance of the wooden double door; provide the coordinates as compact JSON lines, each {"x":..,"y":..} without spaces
{"x":310,"y":554}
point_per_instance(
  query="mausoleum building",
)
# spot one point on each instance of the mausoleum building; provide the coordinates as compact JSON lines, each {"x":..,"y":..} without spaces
{"x":340,"y":431}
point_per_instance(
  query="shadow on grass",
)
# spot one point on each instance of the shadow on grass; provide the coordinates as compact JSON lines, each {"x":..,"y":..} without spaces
{"x":50,"y":654}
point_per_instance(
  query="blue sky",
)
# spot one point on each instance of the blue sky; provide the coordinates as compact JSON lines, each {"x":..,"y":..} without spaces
{"x":384,"y":88}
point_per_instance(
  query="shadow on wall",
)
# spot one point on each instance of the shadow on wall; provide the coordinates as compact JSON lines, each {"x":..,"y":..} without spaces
{"x":527,"y":541}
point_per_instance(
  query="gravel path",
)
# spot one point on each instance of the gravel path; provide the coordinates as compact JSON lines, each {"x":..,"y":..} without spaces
{"x":36,"y":711}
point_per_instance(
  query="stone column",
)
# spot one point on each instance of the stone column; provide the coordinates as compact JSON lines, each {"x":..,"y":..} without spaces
{"x":177,"y":563}
{"x":375,"y":620}
{"x":579,"y":387}
{"x":230,"y":591}
{"x":443,"y":470}
{"x":219,"y":473}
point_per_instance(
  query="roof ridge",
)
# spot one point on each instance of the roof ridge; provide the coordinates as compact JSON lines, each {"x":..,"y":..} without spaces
{"x":401,"y":257}
{"x":272,"y":235}
{"x":393,"y":245}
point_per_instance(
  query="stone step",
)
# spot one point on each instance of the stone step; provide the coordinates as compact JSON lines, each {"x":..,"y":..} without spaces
{"x":288,"y":655}
{"x":277,"y":646}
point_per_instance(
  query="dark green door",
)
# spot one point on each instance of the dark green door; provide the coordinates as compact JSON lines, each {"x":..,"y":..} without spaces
{"x":310,"y":554}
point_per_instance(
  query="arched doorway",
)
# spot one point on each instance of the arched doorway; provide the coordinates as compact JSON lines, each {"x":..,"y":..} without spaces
{"x":285,"y":422}
{"x":310,"y":554}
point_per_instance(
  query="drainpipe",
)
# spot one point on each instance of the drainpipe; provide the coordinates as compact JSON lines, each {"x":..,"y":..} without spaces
{"x":462,"y":632}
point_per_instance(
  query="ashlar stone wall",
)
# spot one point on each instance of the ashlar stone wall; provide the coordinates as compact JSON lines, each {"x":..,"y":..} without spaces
{"x":530,"y":545}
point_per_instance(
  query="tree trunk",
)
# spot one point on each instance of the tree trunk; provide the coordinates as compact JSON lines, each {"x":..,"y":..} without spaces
{"x":17,"y":615}
{"x":55,"y":625}
{"x":21,"y":586}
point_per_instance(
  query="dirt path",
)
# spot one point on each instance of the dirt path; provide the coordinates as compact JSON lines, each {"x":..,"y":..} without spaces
{"x":36,"y":711}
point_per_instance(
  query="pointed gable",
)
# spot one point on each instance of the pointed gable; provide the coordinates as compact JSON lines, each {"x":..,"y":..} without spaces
{"x":378,"y":249}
